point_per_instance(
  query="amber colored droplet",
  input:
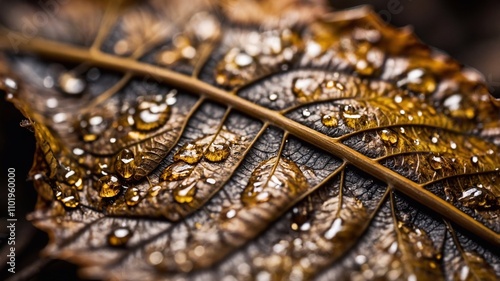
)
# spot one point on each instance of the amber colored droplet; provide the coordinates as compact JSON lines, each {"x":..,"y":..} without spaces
{"x":119,"y":237}
{"x":91,"y":127}
{"x":189,"y":153}
{"x":184,"y":193}
{"x":67,"y":195}
{"x":132,"y":196}
{"x":71,"y":84}
{"x":150,"y":115}
{"x":217,"y":152}
{"x":69,"y":173}
{"x":329,"y":120}
{"x":125,"y":164}
{"x":109,"y":186}
{"x":389,"y":137}
{"x":176,"y":171}
{"x":420,"y":80}
{"x":436,"y":162}
{"x":154,"y":190}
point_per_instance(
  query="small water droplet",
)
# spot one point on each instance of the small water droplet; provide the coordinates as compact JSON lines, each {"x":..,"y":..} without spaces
{"x":171,"y":98}
{"x":51,"y":103}
{"x":59,"y":117}
{"x":211,"y":181}
{"x":67,"y":195}
{"x":109,"y":186}
{"x":389,"y":137}
{"x":306,"y":113}
{"x":154,"y":190}
{"x":360,"y":259}
{"x":416,"y":142}
{"x":70,"y":84}
{"x":92,"y":127}
{"x":155,"y":258}
{"x":453,"y":145}
{"x":419,"y":80}
{"x":398,"y":99}
{"x":436,"y":162}
{"x":334,"y":229}
{"x":132,"y":196}
{"x":273,"y":97}
{"x":217,"y":152}
{"x":435,"y":138}
{"x":474,"y":159}
{"x":125,"y":163}
{"x":329,"y":120}
{"x":9,"y":85}
{"x":119,"y":237}
{"x":313,"y":49}
{"x":306,"y":88}
{"x":243,"y":60}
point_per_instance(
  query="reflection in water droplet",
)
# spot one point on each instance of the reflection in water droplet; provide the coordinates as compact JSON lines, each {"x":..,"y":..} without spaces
{"x":109,"y":186}
{"x":132,"y":196}
{"x":92,"y":127}
{"x":389,"y":137}
{"x":125,"y":164}
{"x":154,"y":190}
{"x":150,"y":115}
{"x":329,"y":120}
{"x":419,"y":80}
{"x":273,"y":97}
{"x":119,"y":237}
{"x":184,"y":193}
{"x":453,"y":145}
{"x":217,"y":152}
{"x":306,"y":88}
{"x":335,"y":228}
{"x":189,"y":153}
{"x":71,"y":84}
{"x":474,"y":159}
{"x":436,"y":162}
{"x":176,"y":171}
{"x":67,"y":195}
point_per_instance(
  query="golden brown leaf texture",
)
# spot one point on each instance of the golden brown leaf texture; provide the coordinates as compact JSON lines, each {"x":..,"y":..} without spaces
{"x":187,"y":140}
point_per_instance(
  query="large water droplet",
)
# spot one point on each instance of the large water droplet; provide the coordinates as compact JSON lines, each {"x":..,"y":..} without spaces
{"x":217,"y":152}
{"x":436,"y":162}
{"x":329,"y":120}
{"x":109,"y":186}
{"x":125,"y":164}
{"x":132,"y":196}
{"x":119,"y":237}
{"x":389,"y":137}
{"x":176,"y":171}
{"x":150,"y":115}
{"x":189,"y":153}
{"x":67,"y":195}
{"x":185,"y":192}
{"x":92,"y":126}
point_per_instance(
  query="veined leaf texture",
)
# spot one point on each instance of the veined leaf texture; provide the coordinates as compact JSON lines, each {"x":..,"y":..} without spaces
{"x":253,"y":140}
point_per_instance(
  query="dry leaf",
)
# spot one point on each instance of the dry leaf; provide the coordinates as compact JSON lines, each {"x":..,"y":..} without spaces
{"x":185,"y":140}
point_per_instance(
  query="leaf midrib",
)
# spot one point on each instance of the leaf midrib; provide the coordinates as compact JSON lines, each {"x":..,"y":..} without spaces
{"x":62,"y":51}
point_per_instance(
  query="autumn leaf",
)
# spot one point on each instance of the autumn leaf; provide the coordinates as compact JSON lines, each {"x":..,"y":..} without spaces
{"x":187,"y":140}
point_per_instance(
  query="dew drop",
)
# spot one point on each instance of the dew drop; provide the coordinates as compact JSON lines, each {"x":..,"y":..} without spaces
{"x":92,"y":127}
{"x":313,"y":49}
{"x":211,"y":181}
{"x":273,"y":97}
{"x":125,"y":163}
{"x":132,"y":196}
{"x":329,"y":120}
{"x":435,"y":138}
{"x":109,"y":186}
{"x":474,"y":159}
{"x":217,"y":152}
{"x":67,"y":195}
{"x":154,"y":190}
{"x":389,"y":137}
{"x":243,"y":60}
{"x":51,"y":103}
{"x":171,"y":98}
{"x":176,"y":171}
{"x":150,"y":115}
{"x":453,"y":145}
{"x":119,"y":237}
{"x":71,"y":84}
{"x":306,"y":88}
{"x":398,"y":99}
{"x":189,"y":153}
{"x":436,"y":162}
{"x":306,"y":113}
{"x":419,"y":80}
{"x":416,"y":142}
{"x":184,"y":193}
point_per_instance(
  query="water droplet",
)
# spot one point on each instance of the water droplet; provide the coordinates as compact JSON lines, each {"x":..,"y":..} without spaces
{"x":243,"y":60}
{"x":464,"y":273}
{"x":70,"y":84}
{"x":217,"y":152}
{"x":51,"y":103}
{"x":189,"y":153}
{"x":171,"y":98}
{"x":125,"y":164}
{"x":150,"y":115}
{"x":435,"y":138}
{"x":474,"y":159}
{"x":48,"y":82}
{"x":92,"y":127}
{"x":398,"y":99}
{"x":155,"y":258}
{"x":436,"y":162}
{"x":176,"y":171}
{"x":329,"y":120}
{"x":119,"y":237}
{"x":59,"y":117}
{"x":109,"y":186}
{"x":211,"y":181}
{"x":9,"y":85}
{"x":185,"y":192}
{"x":306,"y":88}
{"x":273,"y":97}
{"x":132,"y":196}
{"x":453,"y":145}
{"x":306,"y":113}
{"x":360,"y":259}
{"x":389,"y":137}
{"x":67,"y":195}
{"x":350,"y":112}
{"x":416,"y":142}
{"x":334,"y":229}
{"x":419,"y":80}
{"x":313,"y":49}
{"x":154,"y":190}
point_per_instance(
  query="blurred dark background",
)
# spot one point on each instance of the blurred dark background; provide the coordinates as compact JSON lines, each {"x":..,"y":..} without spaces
{"x":468,"y":31}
